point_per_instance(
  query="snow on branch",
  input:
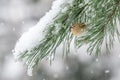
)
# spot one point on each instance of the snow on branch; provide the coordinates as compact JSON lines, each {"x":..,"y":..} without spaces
{"x":35,"y":34}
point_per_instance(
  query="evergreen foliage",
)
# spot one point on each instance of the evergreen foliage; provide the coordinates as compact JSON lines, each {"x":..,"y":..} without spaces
{"x":100,"y":18}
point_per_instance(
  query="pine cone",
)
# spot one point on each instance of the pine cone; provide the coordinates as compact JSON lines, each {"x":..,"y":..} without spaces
{"x":77,"y":29}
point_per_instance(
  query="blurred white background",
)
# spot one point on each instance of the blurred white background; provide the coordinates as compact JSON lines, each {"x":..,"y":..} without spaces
{"x":16,"y":16}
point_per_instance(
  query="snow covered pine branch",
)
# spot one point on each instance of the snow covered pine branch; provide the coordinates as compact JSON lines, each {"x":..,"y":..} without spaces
{"x":86,"y":20}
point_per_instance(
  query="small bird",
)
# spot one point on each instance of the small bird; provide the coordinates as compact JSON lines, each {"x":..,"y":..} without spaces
{"x":77,"y":29}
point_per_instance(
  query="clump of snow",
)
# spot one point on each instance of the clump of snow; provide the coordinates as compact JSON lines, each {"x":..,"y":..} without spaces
{"x":97,"y":60}
{"x":29,"y":72}
{"x":107,"y":71}
{"x":31,"y":38}
{"x":35,"y":34}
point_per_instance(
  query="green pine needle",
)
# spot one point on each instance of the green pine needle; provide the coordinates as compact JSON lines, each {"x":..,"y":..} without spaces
{"x":100,"y":18}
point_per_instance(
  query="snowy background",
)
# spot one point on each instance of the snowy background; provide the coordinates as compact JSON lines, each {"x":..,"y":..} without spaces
{"x":16,"y":16}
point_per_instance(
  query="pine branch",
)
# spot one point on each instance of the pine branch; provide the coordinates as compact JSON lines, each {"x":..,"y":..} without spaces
{"x":102,"y":27}
{"x":99,"y":17}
